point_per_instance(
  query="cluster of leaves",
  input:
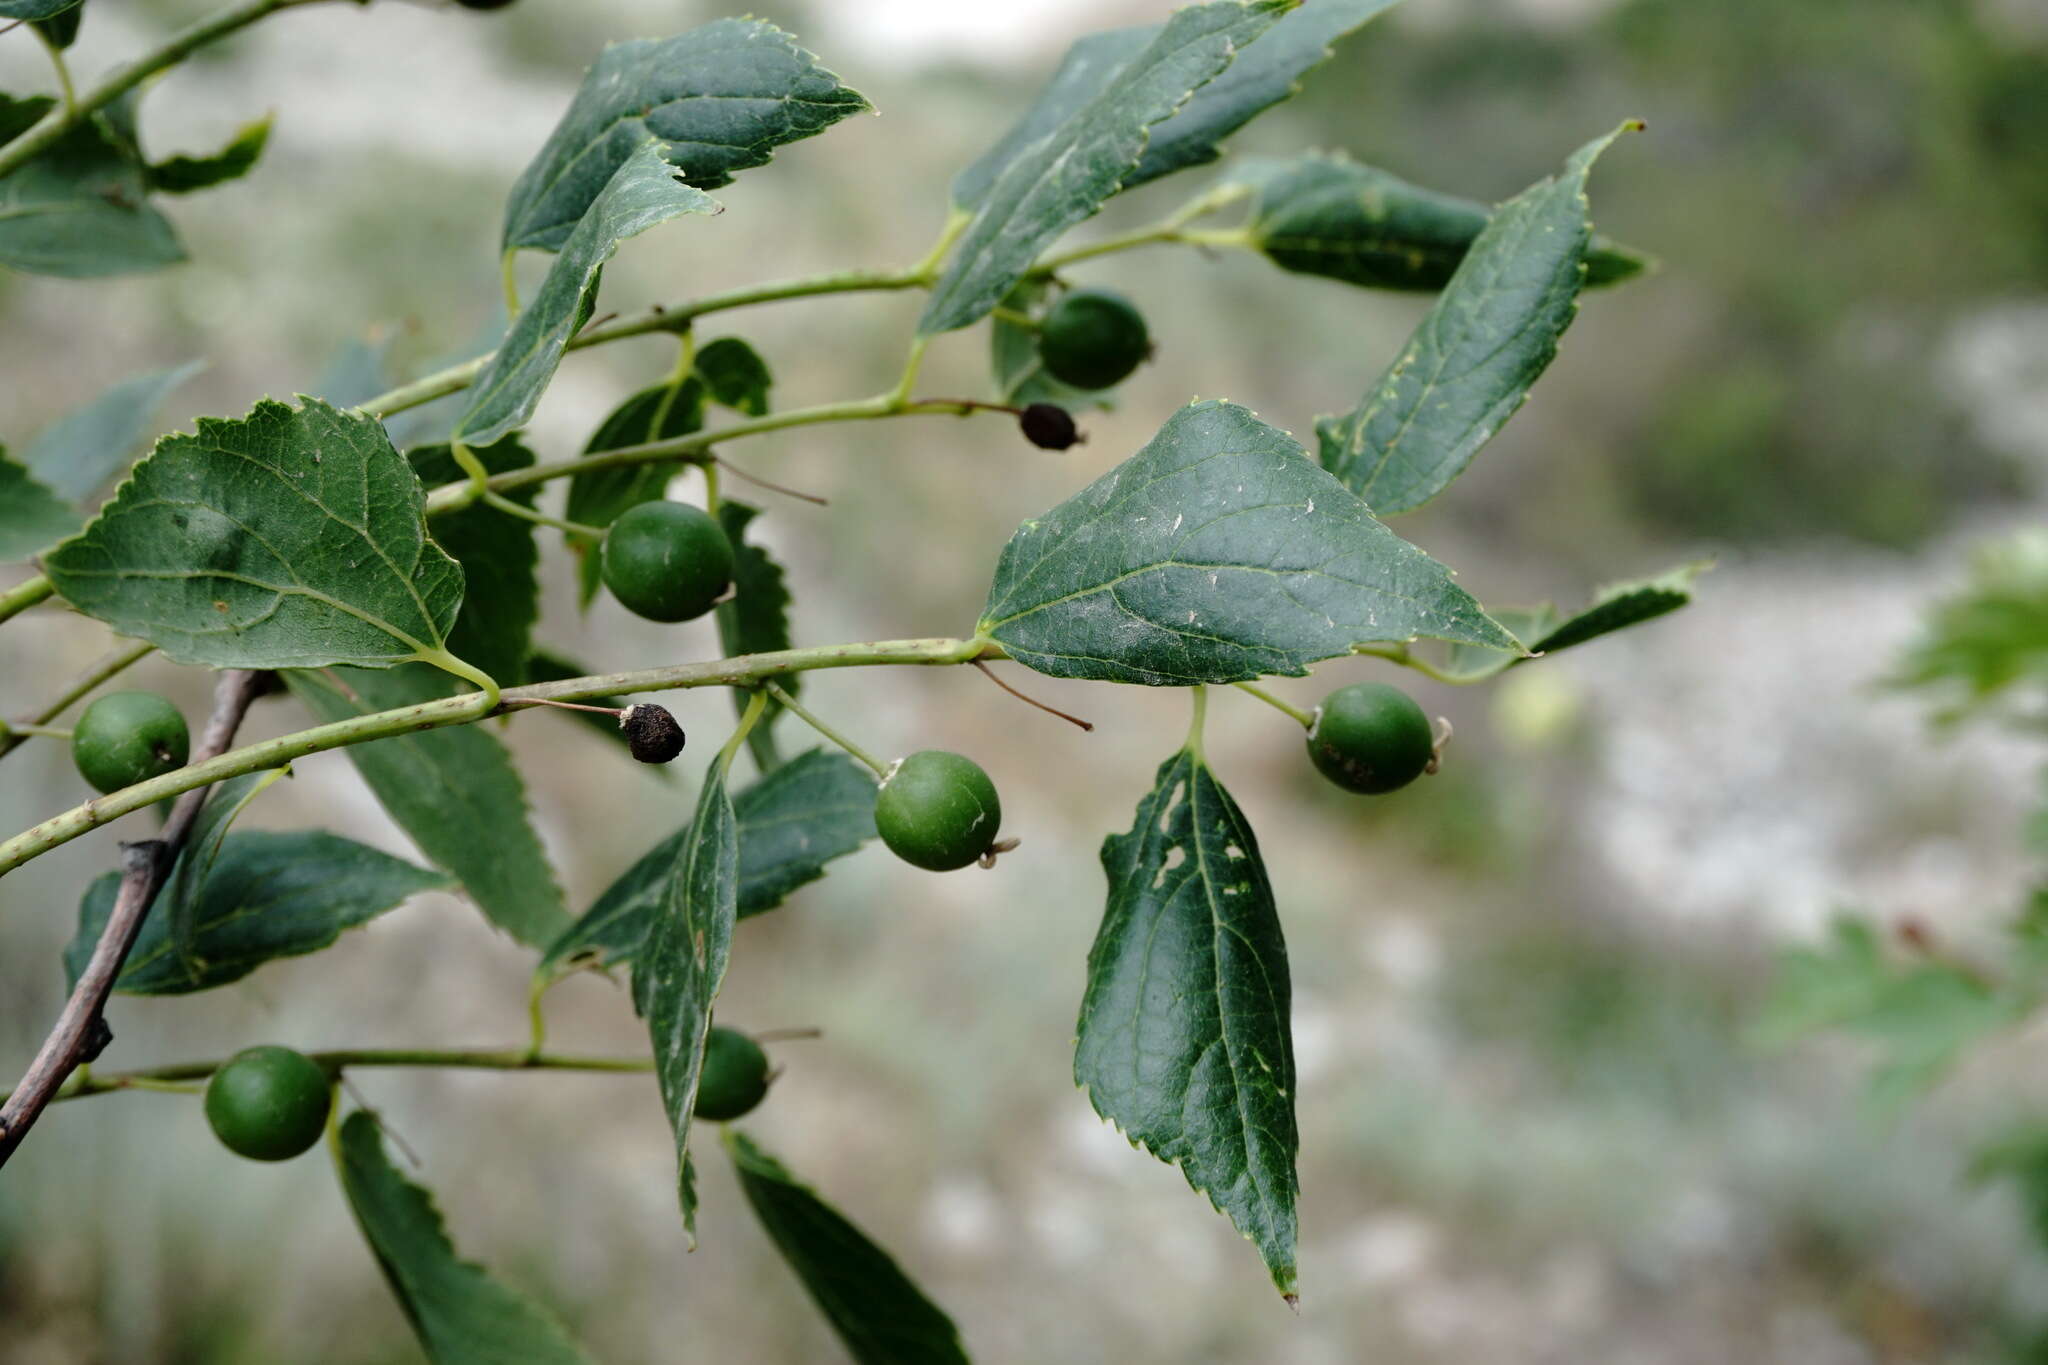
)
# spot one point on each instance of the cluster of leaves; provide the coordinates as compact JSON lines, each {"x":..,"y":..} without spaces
{"x":300,"y":538}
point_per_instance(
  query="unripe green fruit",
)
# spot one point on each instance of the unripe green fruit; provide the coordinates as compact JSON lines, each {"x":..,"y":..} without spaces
{"x":129,"y":737}
{"x":734,"y":1078}
{"x":1093,"y":339}
{"x":1371,"y":738}
{"x":667,"y":561}
{"x":269,"y":1103}
{"x":937,"y":810}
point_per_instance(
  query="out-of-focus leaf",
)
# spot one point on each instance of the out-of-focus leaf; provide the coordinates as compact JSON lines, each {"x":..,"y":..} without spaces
{"x":76,"y":454}
{"x":177,"y":905}
{"x":501,"y":598}
{"x":34,"y":9}
{"x":1990,"y":638}
{"x":62,"y":31}
{"x":185,"y":174}
{"x":79,"y":210}
{"x":32,"y":518}
{"x":1543,"y":630}
{"x":1218,"y":553}
{"x":660,"y":413}
{"x":1020,"y":375}
{"x":755,"y":619}
{"x":735,"y":375}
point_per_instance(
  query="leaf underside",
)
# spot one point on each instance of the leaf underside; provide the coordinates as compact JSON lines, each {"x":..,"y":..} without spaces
{"x":1218,"y":553}
{"x":1184,"y":1038}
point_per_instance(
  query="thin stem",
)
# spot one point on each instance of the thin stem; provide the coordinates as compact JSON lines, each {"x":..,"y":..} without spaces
{"x":710,"y":468}
{"x":22,"y":596}
{"x":486,"y":685}
{"x":1200,"y":695}
{"x":927,"y":270}
{"x":85,"y":682}
{"x":747,"y":670}
{"x":1306,"y":719}
{"x":169,"y":1087}
{"x":63,"y":70}
{"x":515,"y":1059}
{"x":25,"y":728}
{"x":990,"y":674}
{"x":537,"y":1015}
{"x":504,"y":504}
{"x":756,"y":704}
{"x":1170,"y":229}
{"x":508,"y":267}
{"x":760,"y":482}
{"x":791,"y":705}
{"x":59,"y":121}
{"x":1402,"y":655}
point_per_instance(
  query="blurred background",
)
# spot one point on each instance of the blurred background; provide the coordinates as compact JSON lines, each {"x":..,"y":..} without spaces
{"x":1535,"y":1124}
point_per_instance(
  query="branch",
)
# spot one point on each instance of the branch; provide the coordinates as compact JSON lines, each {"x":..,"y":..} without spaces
{"x":85,"y":682}
{"x":747,"y":670}
{"x":80,"y":1031}
{"x":22,"y":596}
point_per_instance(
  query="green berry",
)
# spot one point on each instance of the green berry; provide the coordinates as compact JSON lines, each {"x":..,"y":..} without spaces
{"x":1371,"y":738}
{"x":734,"y":1078}
{"x":129,"y":737}
{"x":937,"y":810}
{"x":667,"y":561}
{"x":269,"y":1103}
{"x":1093,"y":339}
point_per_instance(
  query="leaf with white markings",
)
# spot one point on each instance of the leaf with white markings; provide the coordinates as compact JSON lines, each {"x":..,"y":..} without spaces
{"x":501,"y":598}
{"x":1184,"y":1039}
{"x":1218,"y":553}
{"x":79,"y":209}
{"x":266,"y":896}
{"x":1470,"y":364}
{"x":1324,"y":214}
{"x":815,"y":808}
{"x":642,"y":192}
{"x":881,"y":1316}
{"x":454,"y":790}
{"x":32,"y":517}
{"x":683,"y":966}
{"x":461,"y":1315}
{"x":1063,"y":177}
{"x":1544,"y":630}
{"x":715,"y":100}
{"x":292,"y":538}
{"x":76,"y":454}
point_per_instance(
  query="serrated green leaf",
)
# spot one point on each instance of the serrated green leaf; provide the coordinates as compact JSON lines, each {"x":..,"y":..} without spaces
{"x":1980,"y":644}
{"x":1020,"y":374}
{"x":267,"y":896}
{"x":1184,"y":1038}
{"x":715,"y":100}
{"x":501,"y":596}
{"x":755,"y":619}
{"x":1063,"y":177}
{"x":817,"y":807}
{"x":683,"y":966}
{"x":454,"y":790}
{"x":34,"y":9}
{"x":185,"y":174}
{"x":461,"y":1315}
{"x":79,"y":210}
{"x":177,"y":905}
{"x":1084,"y":73}
{"x":881,"y":1316}
{"x":1544,"y":631}
{"x":32,"y":518}
{"x":292,"y":538}
{"x":79,"y":452}
{"x":642,"y":192}
{"x":600,"y":497}
{"x":735,"y":375}
{"x":1470,"y":364}
{"x":1218,"y":553}
{"x":1324,"y":214}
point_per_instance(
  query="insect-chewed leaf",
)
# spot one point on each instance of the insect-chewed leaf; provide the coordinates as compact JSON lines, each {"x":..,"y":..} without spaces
{"x":1218,"y":553}
{"x":78,"y":210}
{"x":32,"y":517}
{"x":292,"y":538}
{"x":501,"y":600}
{"x":461,"y":1315}
{"x":735,"y":375}
{"x":715,"y":100}
{"x":815,"y":808}
{"x":76,"y":454}
{"x":644,"y":190}
{"x":1470,"y":364}
{"x":266,"y":896}
{"x":881,"y":1316}
{"x":683,"y":965}
{"x":454,"y":790}
{"x":1544,"y":630}
{"x":1184,"y":1039}
{"x":1084,"y":155}
{"x":755,"y":619}
{"x":1324,"y":214}
{"x":185,"y":174}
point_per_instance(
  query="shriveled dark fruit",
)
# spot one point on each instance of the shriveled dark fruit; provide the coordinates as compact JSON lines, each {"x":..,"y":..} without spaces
{"x":1048,"y":426}
{"x":1371,"y":738}
{"x":483,"y":4}
{"x":1092,"y":339}
{"x":129,"y":737}
{"x":937,"y":810}
{"x":734,"y":1078}
{"x":269,"y":1103}
{"x":652,"y":734}
{"x":667,"y":561}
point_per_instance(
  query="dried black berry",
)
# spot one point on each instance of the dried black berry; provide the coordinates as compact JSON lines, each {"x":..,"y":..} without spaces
{"x":1048,"y":426}
{"x":652,"y":734}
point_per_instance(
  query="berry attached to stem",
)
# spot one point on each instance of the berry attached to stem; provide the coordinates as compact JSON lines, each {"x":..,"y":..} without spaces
{"x":1093,"y":339}
{"x":734,"y":1078}
{"x":1048,"y":426}
{"x":938,"y":810}
{"x":1371,"y":738}
{"x":129,"y":737}
{"x":269,"y":1103}
{"x":667,"y":561}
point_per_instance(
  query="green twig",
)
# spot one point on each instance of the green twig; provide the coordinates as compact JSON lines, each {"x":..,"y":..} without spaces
{"x":22,"y":596}
{"x":1305,"y":718}
{"x":63,"y":70}
{"x":515,"y":1059}
{"x":1407,"y":658}
{"x":19,"y":727}
{"x":85,"y":682}
{"x":790,"y":705}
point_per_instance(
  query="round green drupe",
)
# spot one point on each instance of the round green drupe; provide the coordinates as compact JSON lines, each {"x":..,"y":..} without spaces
{"x":735,"y":1076}
{"x":1371,"y":738}
{"x":1093,"y":339}
{"x":269,"y":1103}
{"x":937,"y":810}
{"x":667,"y":561}
{"x":129,"y":737}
